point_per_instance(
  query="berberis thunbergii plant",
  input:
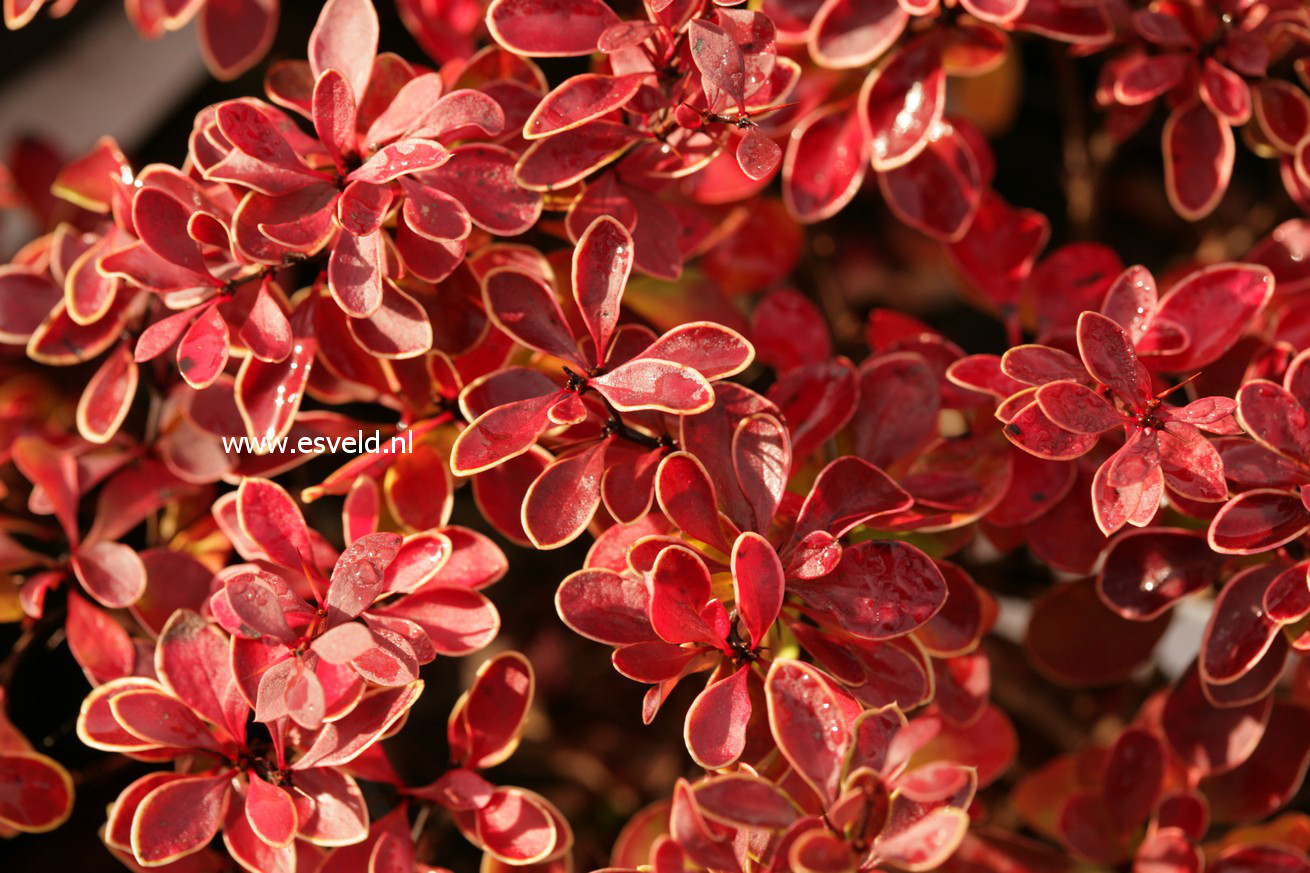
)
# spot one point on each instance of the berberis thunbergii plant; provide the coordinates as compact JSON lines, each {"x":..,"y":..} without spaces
{"x":596,"y":279}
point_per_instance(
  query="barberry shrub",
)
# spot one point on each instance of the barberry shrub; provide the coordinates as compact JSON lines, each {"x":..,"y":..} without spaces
{"x":1015,"y":582}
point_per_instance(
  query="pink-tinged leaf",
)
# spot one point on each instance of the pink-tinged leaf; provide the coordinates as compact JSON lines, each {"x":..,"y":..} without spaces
{"x":967,"y":614}
{"x":192,"y":661}
{"x":549,"y":28}
{"x":1037,"y":365}
{"x":345,"y":38}
{"x":758,"y":155}
{"x":257,"y":136}
{"x":160,"y":220}
{"x":1065,"y":633}
{"x":650,"y":383}
{"x":805,"y":716}
{"x":179,"y":818}
{"x":271,"y":812}
{"x":846,"y":493}
{"x":345,"y":739}
{"x":745,"y":801}
{"x":758,"y":583}
{"x":602,"y":262}
{"x":56,"y":473}
{"x":517,"y":827}
{"x":399,"y":328}
{"x":686,"y":495}
{"x":420,"y":559}
{"x":761,"y":458}
{"x":268,"y":395}
{"x":715,"y":729}
{"x":1205,"y":737}
{"x":524,"y":307}
{"x":926,"y":843}
{"x":160,"y":719}
{"x":572,"y":155}
{"x":1198,"y":159}
{"x":273,"y":522}
{"x":358,"y":575}
{"x":1077,"y":408}
{"x":721,"y":65}
{"x":434,"y":214}
{"x":492,"y":713}
{"x":825,"y":164}
{"x":604,"y":606}
{"x":334,"y":115}
{"x":266,"y":331}
{"x":110,"y":572}
{"x":501,"y":433}
{"x":256,"y":598}
{"x":234,"y":35}
{"x":940,"y":190}
{"x":1225,"y":92}
{"x":713,"y":350}
{"x":1146,"y":572}
{"x":26,"y":299}
{"x":101,"y":645}
{"x":1107,"y":352}
{"x":1287,"y":599}
{"x":880,"y":590}
{"x":1276,"y":418}
{"x":1036,"y":434}
{"x":363,"y":207}
{"x":202,"y":353}
{"x":901,"y":102}
{"x":1192,"y":466}
{"x":38,"y":794}
{"x":355,"y":272}
{"x":107,"y":397}
{"x":1214,"y":306}
{"x":1148,"y":76}
{"x":561,"y":501}
{"x":1282,"y":111}
{"x":456,"y":621}
{"x":681,"y":607}
{"x":1239,"y":632}
{"x":578,"y":100}
{"x":482,"y":178}
{"x":399,"y":159}
{"x":846,"y":33}
{"x":1258,"y":520}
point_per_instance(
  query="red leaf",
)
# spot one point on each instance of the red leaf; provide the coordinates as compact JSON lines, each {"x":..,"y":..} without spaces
{"x":715,"y":729}
{"x":202,"y":353}
{"x":1239,"y":632}
{"x":940,"y":190}
{"x":602,"y":262}
{"x":266,"y":331}
{"x":1146,"y":572}
{"x":160,"y":220}
{"x":38,"y":794}
{"x":580,"y":99}
{"x":235,"y":35}
{"x":501,"y":433}
{"x":805,"y":716}
{"x":901,"y":102}
{"x":847,"y":492}
{"x":604,"y":606}
{"x":1134,"y":775}
{"x":355,"y":271}
{"x":721,"y":65}
{"x":525,"y":308}
{"x":758,"y":584}
{"x":549,"y":28}
{"x":334,"y":115}
{"x":179,"y":818}
{"x":561,"y":501}
{"x":517,"y":827}
{"x":108,"y":396}
{"x":192,"y":661}
{"x":101,"y":645}
{"x":758,"y":155}
{"x":345,"y":739}
{"x":650,"y":383}
{"x":682,"y":609}
{"x":273,"y":522}
{"x":880,"y":590}
{"x":1198,"y":159}
{"x":401,"y":158}
{"x":110,"y":572}
{"x":1064,"y":633}
{"x":358,"y":575}
{"x":345,"y":38}
{"x":493,"y":711}
{"x":1258,"y":520}
{"x":846,"y":33}
{"x":825,"y":163}
{"x":1213,"y":306}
